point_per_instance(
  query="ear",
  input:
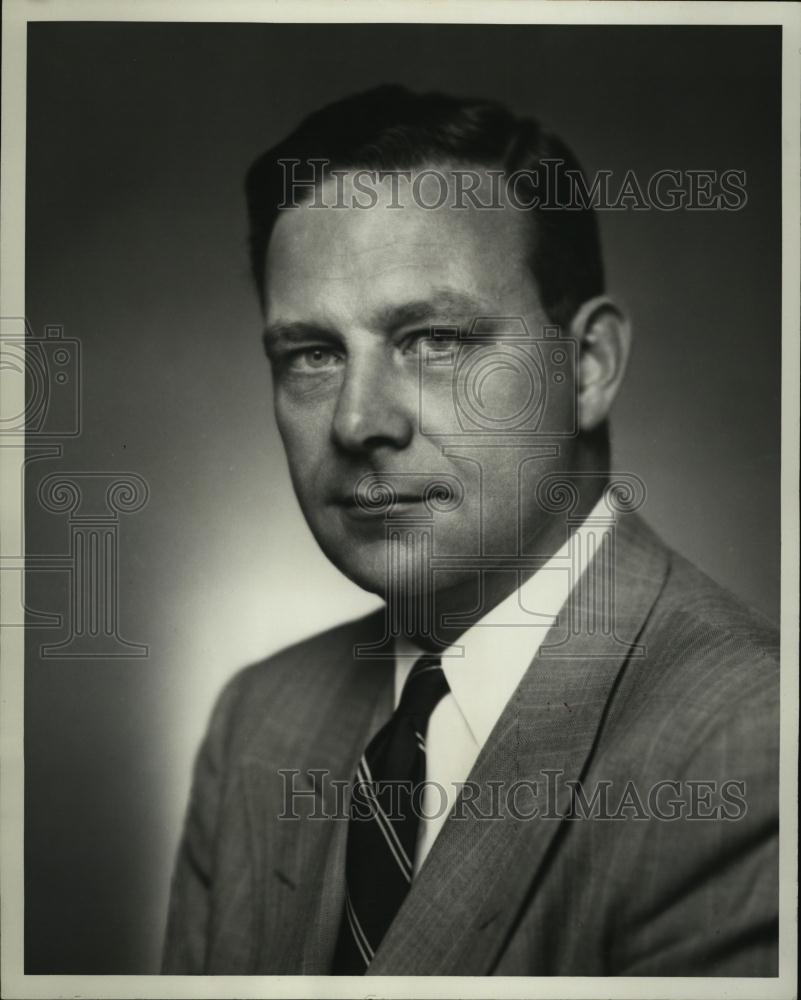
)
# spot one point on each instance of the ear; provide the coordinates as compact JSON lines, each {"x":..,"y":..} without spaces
{"x":603,"y":334}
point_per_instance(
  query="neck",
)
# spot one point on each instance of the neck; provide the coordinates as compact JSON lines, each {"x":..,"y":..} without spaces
{"x":471,"y":598}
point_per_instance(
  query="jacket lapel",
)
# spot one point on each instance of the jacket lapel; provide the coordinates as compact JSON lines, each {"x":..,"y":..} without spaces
{"x":326,"y":913}
{"x":482,"y":869}
{"x":293,"y":859}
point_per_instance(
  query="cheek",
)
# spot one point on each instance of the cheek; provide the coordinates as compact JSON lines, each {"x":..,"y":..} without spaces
{"x":305,"y":435}
{"x":505,"y":393}
{"x":493,"y":391}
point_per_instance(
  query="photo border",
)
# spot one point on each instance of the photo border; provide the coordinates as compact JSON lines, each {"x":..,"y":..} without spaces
{"x":16,"y":15}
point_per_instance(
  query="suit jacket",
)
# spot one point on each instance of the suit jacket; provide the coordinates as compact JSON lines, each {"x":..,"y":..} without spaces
{"x":683,"y":689}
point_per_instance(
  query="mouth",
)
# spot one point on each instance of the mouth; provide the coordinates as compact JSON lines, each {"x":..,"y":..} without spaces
{"x":370,"y":508}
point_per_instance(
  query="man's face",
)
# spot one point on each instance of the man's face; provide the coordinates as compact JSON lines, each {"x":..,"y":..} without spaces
{"x":352,"y":297}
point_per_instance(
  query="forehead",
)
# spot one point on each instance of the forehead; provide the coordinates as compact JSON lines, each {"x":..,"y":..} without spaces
{"x":344,"y":258}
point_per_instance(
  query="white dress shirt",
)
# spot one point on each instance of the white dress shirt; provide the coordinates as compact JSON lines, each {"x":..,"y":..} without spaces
{"x":496,"y":652}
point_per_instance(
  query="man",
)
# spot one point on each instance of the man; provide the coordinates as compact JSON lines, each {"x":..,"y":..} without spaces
{"x":579,"y":728}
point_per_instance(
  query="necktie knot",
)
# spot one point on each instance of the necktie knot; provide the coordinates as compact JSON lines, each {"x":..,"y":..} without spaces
{"x":425,"y":687}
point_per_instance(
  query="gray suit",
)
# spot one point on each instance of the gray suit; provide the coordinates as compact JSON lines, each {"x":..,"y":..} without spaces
{"x":687,"y":691}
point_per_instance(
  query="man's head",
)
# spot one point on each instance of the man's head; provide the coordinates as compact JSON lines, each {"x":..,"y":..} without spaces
{"x":352,"y":296}
{"x":392,"y":129}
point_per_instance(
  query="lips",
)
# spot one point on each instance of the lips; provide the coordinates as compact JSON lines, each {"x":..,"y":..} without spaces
{"x":371,"y":507}
{"x":374,"y":499}
{"x":350,"y":501}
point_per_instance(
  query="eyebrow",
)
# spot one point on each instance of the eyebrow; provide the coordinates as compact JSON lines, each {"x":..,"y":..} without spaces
{"x":443,"y":304}
{"x":294,"y":333}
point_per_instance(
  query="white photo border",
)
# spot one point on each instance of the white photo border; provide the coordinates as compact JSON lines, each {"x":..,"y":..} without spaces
{"x":16,"y":15}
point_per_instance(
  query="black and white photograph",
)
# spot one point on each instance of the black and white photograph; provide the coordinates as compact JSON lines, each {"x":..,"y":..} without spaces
{"x":400,"y":499}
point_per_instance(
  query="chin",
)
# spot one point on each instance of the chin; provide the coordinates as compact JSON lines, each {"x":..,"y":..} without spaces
{"x":459,"y":591}
{"x":365,"y":561}
{"x":363,"y":564}
{"x":367,"y":566}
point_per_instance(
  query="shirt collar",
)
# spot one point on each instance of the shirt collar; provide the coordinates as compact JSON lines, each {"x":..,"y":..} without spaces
{"x":485,"y":666}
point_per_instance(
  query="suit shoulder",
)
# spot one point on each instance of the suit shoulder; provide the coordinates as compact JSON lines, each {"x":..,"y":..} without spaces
{"x":704,"y":674}
{"x":298,"y":672}
{"x":704,"y":616}
{"x":707,"y":661}
{"x":310,"y":659}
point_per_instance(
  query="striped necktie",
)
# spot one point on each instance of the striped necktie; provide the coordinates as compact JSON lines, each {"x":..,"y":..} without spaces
{"x":384,"y":820}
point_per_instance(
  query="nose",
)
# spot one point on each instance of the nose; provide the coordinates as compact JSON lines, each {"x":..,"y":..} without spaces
{"x":371,"y":410}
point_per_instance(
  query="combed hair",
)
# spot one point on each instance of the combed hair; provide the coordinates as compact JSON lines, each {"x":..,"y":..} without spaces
{"x":392,"y":128}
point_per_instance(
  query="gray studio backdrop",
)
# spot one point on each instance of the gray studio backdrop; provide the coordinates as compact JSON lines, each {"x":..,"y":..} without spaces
{"x":138,"y":137}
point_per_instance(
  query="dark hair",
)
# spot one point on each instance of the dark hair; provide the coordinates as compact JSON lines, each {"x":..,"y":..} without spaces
{"x":390,"y":127}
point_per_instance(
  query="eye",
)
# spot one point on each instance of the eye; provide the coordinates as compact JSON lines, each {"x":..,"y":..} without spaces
{"x":412,"y":343}
{"x":432,"y":349}
{"x":310,"y":360}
